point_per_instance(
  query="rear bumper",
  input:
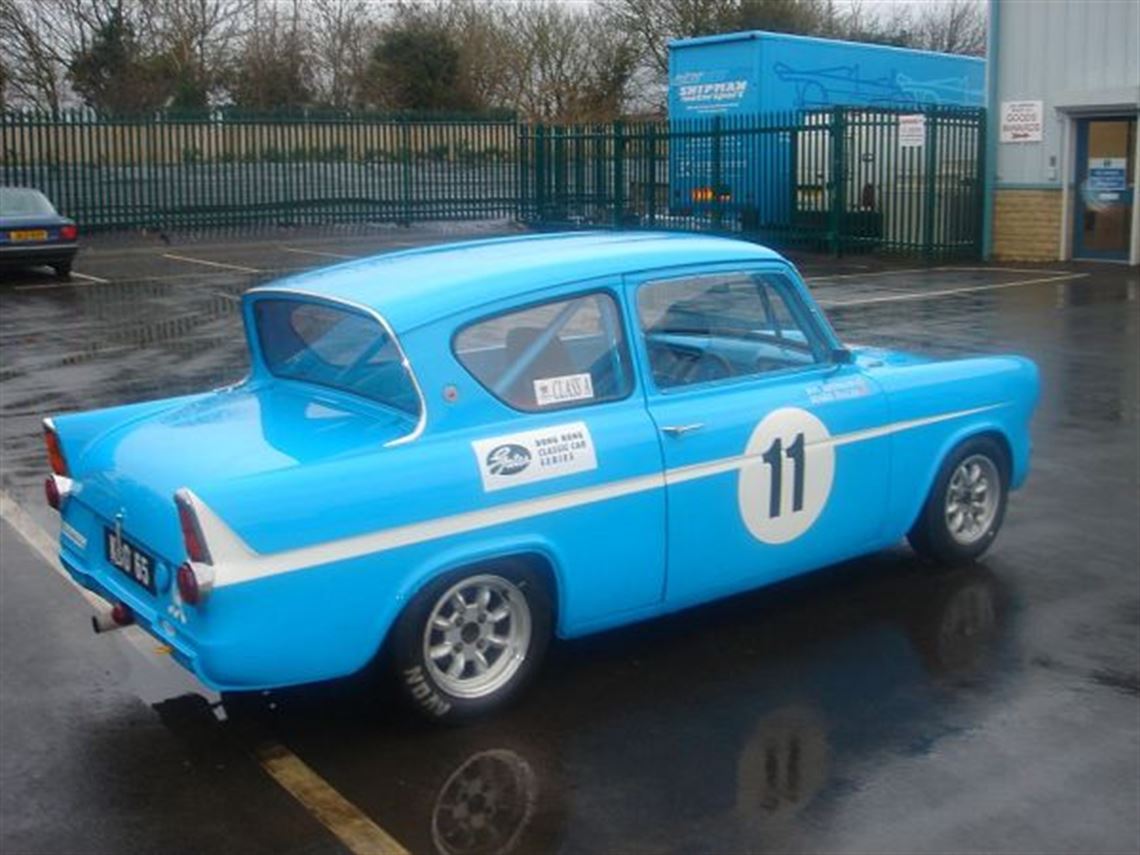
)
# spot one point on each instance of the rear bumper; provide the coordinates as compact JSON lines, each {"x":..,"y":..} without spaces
{"x":44,"y":253}
{"x":155,"y":623}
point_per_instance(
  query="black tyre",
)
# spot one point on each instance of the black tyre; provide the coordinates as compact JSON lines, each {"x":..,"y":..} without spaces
{"x":471,"y":640}
{"x":966,"y":505}
{"x":62,"y":271}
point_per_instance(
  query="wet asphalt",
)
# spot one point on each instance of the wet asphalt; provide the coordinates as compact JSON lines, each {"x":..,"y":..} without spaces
{"x":883,"y":705}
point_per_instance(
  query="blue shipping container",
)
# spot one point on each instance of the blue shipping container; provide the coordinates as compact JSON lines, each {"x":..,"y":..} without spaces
{"x":750,"y":73}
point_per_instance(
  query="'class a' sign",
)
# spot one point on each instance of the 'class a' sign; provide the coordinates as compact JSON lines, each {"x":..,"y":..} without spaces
{"x":1022,"y":121}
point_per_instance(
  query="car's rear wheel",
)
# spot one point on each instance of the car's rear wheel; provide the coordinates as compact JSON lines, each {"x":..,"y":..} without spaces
{"x":471,"y":640}
{"x":62,"y":271}
{"x":966,"y":505}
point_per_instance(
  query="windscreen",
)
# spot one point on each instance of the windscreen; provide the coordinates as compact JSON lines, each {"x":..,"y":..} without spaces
{"x":335,"y":347}
{"x":21,"y":202}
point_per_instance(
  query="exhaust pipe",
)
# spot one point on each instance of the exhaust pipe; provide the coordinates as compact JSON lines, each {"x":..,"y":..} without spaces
{"x":112,"y":619}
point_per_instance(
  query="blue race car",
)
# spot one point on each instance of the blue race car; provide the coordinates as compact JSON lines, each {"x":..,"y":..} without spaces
{"x":443,"y":456}
{"x":33,"y":233}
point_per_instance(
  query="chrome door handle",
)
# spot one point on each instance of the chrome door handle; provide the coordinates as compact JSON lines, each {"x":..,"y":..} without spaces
{"x":681,"y":430}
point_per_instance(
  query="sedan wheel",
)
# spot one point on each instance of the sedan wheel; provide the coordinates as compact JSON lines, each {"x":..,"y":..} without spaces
{"x":470,"y":641}
{"x":966,"y":505}
{"x":477,"y":636}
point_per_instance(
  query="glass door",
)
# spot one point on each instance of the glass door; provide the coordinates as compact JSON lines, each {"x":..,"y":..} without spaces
{"x":1106,"y":181}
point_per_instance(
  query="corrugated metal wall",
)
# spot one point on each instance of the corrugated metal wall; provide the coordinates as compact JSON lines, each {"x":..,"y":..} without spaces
{"x":1054,"y":49}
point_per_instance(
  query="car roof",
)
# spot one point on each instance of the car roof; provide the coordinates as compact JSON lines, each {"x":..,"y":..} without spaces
{"x":418,"y":286}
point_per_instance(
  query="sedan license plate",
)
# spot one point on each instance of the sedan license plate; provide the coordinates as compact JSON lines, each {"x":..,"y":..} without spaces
{"x":30,"y":234}
{"x":128,"y":558}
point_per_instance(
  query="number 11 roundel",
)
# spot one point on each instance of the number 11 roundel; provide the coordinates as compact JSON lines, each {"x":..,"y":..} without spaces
{"x":785,"y":483}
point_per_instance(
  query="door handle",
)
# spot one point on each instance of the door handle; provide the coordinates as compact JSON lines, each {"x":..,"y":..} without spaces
{"x":681,"y":430}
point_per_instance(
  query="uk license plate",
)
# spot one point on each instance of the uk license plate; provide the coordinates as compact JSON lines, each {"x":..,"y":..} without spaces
{"x":28,"y":234}
{"x":127,"y":558}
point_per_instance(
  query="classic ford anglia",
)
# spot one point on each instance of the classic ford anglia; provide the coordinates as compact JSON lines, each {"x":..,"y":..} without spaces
{"x":443,"y":456}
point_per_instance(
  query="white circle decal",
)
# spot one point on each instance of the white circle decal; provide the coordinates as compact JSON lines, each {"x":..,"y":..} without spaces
{"x":785,"y":483}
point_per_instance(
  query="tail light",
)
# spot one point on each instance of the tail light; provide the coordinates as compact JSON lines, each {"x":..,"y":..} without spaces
{"x":68,"y":233}
{"x":192,"y":537}
{"x":54,"y":449}
{"x":195,"y":577}
{"x":51,"y":493}
{"x":188,"y":587}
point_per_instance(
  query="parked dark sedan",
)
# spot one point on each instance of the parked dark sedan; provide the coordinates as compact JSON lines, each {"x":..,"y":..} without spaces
{"x":32,"y":232}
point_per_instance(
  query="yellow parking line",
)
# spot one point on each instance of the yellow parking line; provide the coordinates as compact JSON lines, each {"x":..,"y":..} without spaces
{"x":351,"y":826}
{"x":220,"y":264}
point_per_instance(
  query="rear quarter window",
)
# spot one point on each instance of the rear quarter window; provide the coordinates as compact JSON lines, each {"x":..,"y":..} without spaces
{"x":563,"y":353}
{"x":335,"y":347}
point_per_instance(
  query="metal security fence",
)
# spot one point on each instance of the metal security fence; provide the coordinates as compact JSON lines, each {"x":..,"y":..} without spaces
{"x":840,"y":179}
{"x":226,"y":169}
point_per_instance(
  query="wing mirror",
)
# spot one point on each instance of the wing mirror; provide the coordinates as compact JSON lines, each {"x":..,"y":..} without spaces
{"x":842,"y":356}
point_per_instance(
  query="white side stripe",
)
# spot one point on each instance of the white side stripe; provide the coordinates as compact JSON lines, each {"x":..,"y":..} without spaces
{"x":236,"y":562}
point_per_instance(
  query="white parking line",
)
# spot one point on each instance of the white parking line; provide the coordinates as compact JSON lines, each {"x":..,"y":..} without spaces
{"x":340,"y":255}
{"x":203,"y":261}
{"x":352,"y":827}
{"x":44,"y":286}
{"x":948,"y":292}
{"x":948,"y":268}
{"x":87,"y":277}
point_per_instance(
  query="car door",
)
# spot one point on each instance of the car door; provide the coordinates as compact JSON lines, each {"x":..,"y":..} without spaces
{"x":768,"y":432}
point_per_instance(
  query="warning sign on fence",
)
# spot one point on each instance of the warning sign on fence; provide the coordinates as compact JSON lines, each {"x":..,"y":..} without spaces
{"x":912,"y":131}
{"x":1022,"y":121}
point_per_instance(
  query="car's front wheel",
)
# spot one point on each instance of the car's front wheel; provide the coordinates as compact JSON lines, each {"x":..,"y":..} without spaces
{"x":470,"y":641}
{"x":966,"y":506}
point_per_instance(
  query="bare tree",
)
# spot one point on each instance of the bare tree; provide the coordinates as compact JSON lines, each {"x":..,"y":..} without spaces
{"x":565,"y":64}
{"x":274,"y":67}
{"x":342,"y":35}
{"x":200,"y":38}
{"x":953,"y":26}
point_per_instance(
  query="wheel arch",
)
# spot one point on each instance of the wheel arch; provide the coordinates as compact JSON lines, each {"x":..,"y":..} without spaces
{"x":537,"y":556}
{"x":991,"y":430}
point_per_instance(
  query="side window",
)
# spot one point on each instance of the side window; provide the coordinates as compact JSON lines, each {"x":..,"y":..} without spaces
{"x":704,"y":328}
{"x":552,"y":355}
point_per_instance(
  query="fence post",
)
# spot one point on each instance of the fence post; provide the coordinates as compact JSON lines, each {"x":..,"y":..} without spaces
{"x":979,"y":185}
{"x":651,"y":182}
{"x":540,"y":171}
{"x":930,"y":187}
{"x":838,"y":180}
{"x":619,"y":174}
{"x":406,"y":173}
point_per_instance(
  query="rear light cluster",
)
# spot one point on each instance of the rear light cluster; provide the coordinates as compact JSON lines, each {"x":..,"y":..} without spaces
{"x":54,"y":450}
{"x":56,"y":487}
{"x":68,"y":233}
{"x":193,"y":578}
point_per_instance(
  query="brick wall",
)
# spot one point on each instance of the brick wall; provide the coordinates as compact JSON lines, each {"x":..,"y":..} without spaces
{"x":1027,"y":225}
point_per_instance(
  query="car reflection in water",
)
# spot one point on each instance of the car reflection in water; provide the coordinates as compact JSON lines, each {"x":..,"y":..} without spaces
{"x":644,"y":740}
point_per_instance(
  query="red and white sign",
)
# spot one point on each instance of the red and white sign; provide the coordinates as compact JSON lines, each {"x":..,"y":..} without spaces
{"x":912,"y":131}
{"x":1022,"y":121}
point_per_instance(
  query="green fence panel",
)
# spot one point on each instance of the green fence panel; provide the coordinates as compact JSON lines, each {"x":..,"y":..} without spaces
{"x":838,"y":179}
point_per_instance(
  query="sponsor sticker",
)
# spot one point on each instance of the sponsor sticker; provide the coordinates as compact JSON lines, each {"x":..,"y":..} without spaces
{"x":837,"y":390}
{"x":534,"y":455}
{"x":558,"y":390}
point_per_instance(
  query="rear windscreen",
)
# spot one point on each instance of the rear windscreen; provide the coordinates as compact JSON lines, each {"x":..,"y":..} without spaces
{"x":21,"y":202}
{"x":339,"y":348}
